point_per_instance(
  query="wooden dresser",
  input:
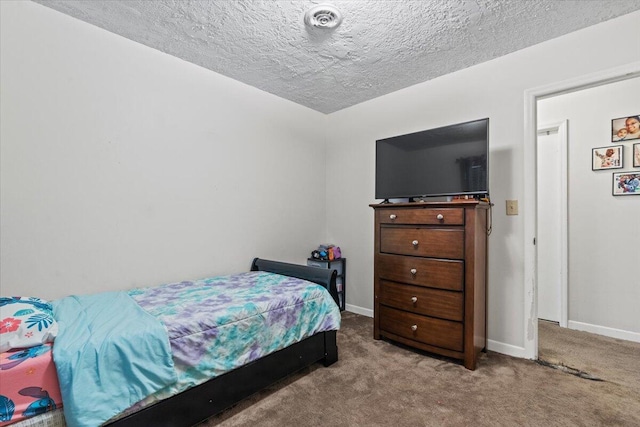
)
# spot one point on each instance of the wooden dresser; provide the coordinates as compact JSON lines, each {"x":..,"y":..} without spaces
{"x":430,"y":269}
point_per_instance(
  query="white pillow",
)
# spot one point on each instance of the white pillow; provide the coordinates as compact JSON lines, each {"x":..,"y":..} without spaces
{"x":25,"y":322}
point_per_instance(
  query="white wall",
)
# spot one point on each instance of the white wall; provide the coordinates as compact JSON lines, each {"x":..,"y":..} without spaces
{"x":603,"y":229}
{"x":122,"y":166}
{"x":494,"y":89}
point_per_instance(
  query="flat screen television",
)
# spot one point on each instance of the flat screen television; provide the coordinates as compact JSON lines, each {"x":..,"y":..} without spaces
{"x":447,"y":161}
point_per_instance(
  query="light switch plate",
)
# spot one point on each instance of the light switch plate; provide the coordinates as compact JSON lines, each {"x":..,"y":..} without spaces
{"x":512,"y":207}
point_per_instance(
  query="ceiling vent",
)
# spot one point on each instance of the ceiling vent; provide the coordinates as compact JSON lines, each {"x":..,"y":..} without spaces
{"x":323,"y":16}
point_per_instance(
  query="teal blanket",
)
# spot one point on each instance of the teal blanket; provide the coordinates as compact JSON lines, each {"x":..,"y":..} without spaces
{"x":104,"y":364}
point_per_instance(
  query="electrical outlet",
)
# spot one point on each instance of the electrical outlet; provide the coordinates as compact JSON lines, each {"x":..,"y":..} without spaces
{"x":512,"y":207}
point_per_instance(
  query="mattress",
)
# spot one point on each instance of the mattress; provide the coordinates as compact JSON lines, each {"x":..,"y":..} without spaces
{"x":28,"y":384}
{"x":218,"y":324}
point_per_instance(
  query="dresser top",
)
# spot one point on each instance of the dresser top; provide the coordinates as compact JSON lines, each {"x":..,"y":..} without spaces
{"x":440,"y":204}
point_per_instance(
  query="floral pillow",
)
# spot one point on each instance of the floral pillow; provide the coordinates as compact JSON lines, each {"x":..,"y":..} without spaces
{"x":25,"y":322}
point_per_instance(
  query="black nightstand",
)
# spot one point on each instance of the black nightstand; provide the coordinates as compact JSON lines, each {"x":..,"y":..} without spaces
{"x":340,"y":265}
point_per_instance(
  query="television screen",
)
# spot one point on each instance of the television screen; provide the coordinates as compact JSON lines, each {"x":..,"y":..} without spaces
{"x":447,"y":161}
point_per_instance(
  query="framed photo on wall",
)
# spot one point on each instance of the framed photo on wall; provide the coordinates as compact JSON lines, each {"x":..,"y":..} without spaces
{"x":625,"y":128}
{"x":626,"y":183}
{"x":636,"y":155}
{"x":607,"y":157}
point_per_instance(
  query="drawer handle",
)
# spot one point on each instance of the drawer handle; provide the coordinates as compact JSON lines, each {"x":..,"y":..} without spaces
{"x":414,"y":299}
{"x":393,"y":216}
{"x":440,"y":217}
{"x":414,"y":327}
{"x":413,"y":271}
{"x":414,"y":243}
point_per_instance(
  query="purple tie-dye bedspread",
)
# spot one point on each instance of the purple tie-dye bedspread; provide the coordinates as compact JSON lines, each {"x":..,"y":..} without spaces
{"x":218,"y":324}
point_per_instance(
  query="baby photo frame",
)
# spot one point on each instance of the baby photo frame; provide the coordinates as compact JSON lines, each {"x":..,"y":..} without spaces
{"x":607,"y":157}
{"x":626,"y":184}
{"x":625,"y":128}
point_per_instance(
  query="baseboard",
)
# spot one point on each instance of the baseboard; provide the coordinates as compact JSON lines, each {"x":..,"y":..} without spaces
{"x":359,"y":310}
{"x":603,"y":330}
{"x":515,"y":351}
{"x":497,"y":346}
{"x":508,"y":349}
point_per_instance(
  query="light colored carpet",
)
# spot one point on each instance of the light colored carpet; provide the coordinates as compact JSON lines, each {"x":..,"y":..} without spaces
{"x":376,"y":383}
{"x":610,"y":359}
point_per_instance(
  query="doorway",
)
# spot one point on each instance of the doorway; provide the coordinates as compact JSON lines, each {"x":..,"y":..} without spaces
{"x":531,"y":185}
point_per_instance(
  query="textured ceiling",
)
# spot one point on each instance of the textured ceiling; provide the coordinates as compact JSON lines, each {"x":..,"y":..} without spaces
{"x":380,"y":47}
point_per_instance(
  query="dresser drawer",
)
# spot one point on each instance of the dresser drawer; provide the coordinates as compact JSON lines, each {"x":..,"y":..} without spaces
{"x":437,"y":332}
{"x":422,"y":241}
{"x":431,"y":302}
{"x":431,"y":272}
{"x":433,"y":216}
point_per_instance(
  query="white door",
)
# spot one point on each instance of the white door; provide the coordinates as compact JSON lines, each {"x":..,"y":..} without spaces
{"x":549,"y":233}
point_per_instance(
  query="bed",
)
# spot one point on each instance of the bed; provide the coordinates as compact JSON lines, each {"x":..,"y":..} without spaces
{"x":305,"y":337}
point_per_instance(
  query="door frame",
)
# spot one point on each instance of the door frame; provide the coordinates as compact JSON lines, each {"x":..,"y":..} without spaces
{"x":531,"y":96}
{"x":562,"y":128}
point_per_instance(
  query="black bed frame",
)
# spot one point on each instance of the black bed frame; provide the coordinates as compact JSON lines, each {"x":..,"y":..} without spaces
{"x":196,"y":404}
